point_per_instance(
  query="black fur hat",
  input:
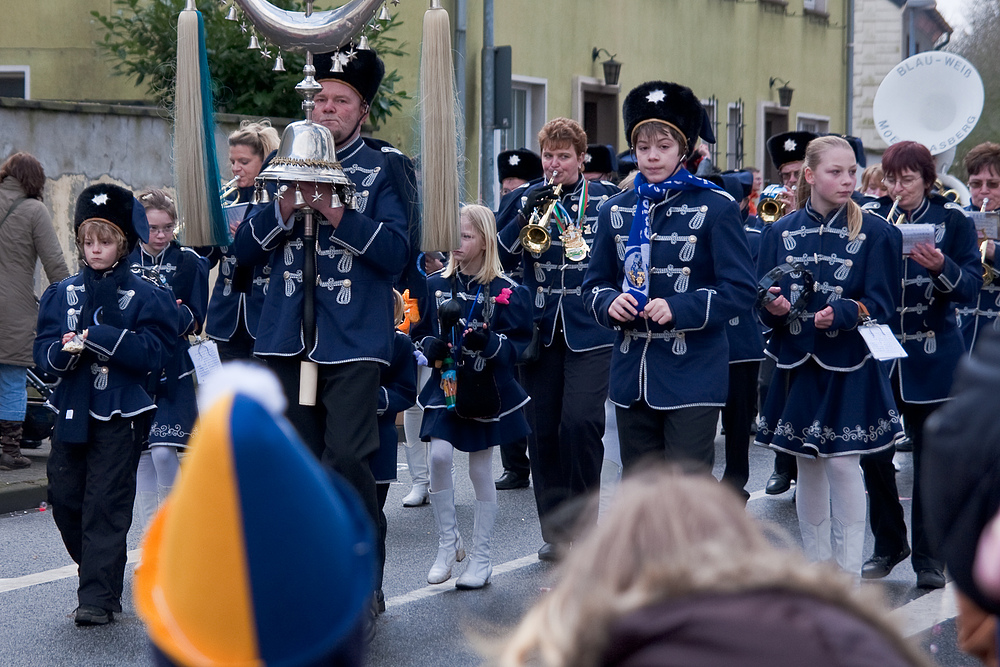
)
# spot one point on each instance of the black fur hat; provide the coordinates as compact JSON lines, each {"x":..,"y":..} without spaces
{"x":520,"y":163}
{"x":856,"y":145}
{"x":114,"y":204}
{"x":600,"y":158}
{"x":363,"y":70}
{"x":788,"y":147}
{"x":670,"y":103}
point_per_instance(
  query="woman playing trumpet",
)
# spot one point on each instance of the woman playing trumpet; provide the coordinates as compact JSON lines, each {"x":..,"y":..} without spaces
{"x":936,"y":277}
{"x":982,"y":163}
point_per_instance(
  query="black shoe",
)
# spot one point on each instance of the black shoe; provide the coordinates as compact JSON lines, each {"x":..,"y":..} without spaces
{"x":778,"y":483}
{"x":877,"y":567}
{"x":88,"y":614}
{"x":550,"y":553}
{"x":511,"y":480}
{"x":930,"y":578}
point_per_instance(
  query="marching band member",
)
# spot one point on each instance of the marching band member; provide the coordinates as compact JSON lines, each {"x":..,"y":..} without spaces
{"x":516,"y":168}
{"x":829,"y":400}
{"x":936,"y":277}
{"x":482,"y":323}
{"x":600,"y":163}
{"x":236,"y":301}
{"x":787,"y":152}
{"x":982,"y":164}
{"x":104,"y":332}
{"x":568,"y":382}
{"x":186,"y":274}
{"x":359,"y":251}
{"x":670,"y":267}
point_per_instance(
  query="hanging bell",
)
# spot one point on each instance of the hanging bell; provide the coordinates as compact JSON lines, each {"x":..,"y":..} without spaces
{"x":335,"y":200}
{"x":299,"y":199}
{"x":254,"y":44}
{"x":232,"y":15}
{"x":265,"y":197}
{"x":337,"y":65}
{"x":363,"y":44}
{"x":384,"y":15}
{"x":279,"y":64}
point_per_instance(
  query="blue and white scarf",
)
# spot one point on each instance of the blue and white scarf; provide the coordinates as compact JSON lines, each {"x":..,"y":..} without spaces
{"x":636,"y":271}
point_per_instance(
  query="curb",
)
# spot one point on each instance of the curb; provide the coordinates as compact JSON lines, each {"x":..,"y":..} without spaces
{"x":22,"y":496}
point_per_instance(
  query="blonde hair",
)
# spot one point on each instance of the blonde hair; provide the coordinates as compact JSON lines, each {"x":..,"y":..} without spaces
{"x":102,"y":231}
{"x":815,"y":151}
{"x":667,"y":536}
{"x":258,"y":136}
{"x":481,"y":219}
{"x":398,"y":307}
{"x":872,"y":176}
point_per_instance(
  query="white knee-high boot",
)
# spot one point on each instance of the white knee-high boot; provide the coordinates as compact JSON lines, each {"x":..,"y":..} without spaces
{"x":816,"y":540}
{"x":450,"y":548}
{"x":848,"y":545}
{"x":477,"y":573}
{"x":416,"y":460}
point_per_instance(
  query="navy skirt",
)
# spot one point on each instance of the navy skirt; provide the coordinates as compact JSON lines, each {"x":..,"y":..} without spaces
{"x":815,"y":412}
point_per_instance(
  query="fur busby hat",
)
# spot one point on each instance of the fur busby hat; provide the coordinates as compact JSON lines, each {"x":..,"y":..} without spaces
{"x":116,"y":205}
{"x":362,"y":70}
{"x":626,"y":164}
{"x":600,"y":158}
{"x":788,"y":147}
{"x":520,"y":163}
{"x":670,"y":103}
{"x":856,"y":145}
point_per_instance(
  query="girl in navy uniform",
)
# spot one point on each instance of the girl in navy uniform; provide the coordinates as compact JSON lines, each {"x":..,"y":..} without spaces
{"x":104,"y":332}
{"x":936,"y":277}
{"x":829,"y":400}
{"x":670,"y":268}
{"x":186,"y":274}
{"x":238,"y":296}
{"x":482,"y":320}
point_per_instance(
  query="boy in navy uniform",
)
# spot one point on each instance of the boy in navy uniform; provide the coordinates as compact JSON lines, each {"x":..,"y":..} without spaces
{"x":359,"y":251}
{"x":104,"y":332}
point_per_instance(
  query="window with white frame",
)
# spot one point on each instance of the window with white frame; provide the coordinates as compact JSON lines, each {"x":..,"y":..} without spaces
{"x":15,"y":81}
{"x":527,"y":114}
{"x":734,"y":136}
{"x":814,"y":124}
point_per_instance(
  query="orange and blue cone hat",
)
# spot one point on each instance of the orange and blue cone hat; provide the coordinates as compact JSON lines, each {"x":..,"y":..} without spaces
{"x":259,"y":556}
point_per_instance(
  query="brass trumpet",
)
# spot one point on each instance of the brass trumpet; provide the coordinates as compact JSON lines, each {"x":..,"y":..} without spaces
{"x":892,"y":211}
{"x":535,"y":236}
{"x":770,"y":208}
{"x":229,"y":188}
{"x":950,"y":195}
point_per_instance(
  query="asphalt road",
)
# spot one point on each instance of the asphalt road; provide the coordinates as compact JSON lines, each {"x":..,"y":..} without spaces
{"x":423,"y":625}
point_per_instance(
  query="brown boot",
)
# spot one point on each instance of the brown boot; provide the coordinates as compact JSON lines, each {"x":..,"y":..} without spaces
{"x":10,"y":439}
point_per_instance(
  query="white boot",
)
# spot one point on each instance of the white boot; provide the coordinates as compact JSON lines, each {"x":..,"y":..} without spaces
{"x":816,"y":541}
{"x":611,"y":476}
{"x":848,"y":545}
{"x":450,"y":547}
{"x":477,"y":572}
{"x":416,"y":460}
{"x":146,"y":500}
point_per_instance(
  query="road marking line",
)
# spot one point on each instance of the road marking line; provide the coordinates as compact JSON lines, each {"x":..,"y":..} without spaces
{"x":431,"y":590}
{"x":926,"y":611}
{"x":65,"y":572}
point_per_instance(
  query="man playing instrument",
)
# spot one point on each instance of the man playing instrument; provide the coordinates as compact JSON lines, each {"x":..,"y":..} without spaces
{"x":982,"y":163}
{"x":359,"y":252}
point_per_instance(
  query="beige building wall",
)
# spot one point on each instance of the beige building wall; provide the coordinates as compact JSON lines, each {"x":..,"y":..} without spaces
{"x":56,"y":40}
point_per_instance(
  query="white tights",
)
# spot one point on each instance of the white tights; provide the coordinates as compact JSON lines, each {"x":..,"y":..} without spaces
{"x":835,"y":480}
{"x":158,"y":467}
{"x":480,"y":470}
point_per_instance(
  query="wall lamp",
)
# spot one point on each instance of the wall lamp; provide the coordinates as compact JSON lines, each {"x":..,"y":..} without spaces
{"x":784,"y":92}
{"x":612,"y":68}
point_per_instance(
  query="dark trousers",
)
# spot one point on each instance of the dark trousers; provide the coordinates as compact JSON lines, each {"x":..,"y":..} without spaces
{"x":737,"y":417}
{"x":239,"y":345}
{"x":381,"y":493}
{"x":342,"y":428}
{"x":685,"y":436}
{"x":884,"y":508}
{"x":784,"y":464}
{"x":566,"y":414}
{"x":514,"y":455}
{"x":91,"y":491}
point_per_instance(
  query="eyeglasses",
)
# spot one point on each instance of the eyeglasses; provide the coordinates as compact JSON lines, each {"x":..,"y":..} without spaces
{"x":891,"y":181}
{"x":991,"y":184}
{"x":169,"y":229}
